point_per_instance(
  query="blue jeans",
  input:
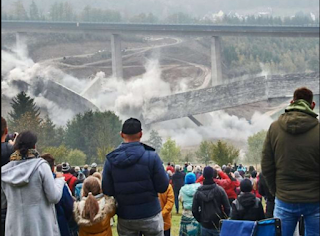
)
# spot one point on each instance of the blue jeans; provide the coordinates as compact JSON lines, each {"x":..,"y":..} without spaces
{"x":290,"y":213}
{"x":209,"y":232}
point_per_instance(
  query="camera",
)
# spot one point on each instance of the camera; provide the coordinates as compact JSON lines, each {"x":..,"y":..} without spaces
{"x":10,"y":137}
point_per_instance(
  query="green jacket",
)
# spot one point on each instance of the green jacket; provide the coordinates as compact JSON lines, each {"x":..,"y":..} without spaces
{"x":290,"y":156}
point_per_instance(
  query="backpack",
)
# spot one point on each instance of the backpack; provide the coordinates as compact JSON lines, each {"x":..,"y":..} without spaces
{"x":211,"y":212}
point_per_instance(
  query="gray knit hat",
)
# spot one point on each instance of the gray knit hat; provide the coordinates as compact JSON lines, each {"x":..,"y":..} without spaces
{"x":65,"y":167}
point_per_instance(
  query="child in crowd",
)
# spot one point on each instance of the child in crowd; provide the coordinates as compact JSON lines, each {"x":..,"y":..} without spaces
{"x":94,"y":211}
{"x":247,"y":206}
{"x":78,"y":187}
{"x":188,"y":224}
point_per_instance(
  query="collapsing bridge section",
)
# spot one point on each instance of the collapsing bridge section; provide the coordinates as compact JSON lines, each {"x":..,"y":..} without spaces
{"x":228,"y":95}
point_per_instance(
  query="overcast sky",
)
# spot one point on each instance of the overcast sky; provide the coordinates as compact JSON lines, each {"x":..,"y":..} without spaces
{"x":162,"y":8}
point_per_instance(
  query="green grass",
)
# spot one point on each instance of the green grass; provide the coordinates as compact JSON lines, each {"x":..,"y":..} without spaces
{"x":175,"y":221}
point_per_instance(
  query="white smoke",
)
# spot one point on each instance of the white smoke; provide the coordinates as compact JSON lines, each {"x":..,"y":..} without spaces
{"x":16,"y":66}
{"x":219,"y":125}
{"x":128,"y":99}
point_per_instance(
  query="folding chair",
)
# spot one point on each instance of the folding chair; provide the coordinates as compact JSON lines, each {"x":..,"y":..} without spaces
{"x":237,"y":227}
{"x":267,"y":227}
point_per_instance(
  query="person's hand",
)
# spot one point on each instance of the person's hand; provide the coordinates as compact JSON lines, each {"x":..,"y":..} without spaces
{"x":232,"y":174}
{"x":59,"y":175}
{"x":14,"y":140}
{"x":217,"y":167}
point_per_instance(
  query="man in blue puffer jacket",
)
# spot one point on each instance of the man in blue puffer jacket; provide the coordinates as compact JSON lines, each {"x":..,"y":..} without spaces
{"x":134,"y":175}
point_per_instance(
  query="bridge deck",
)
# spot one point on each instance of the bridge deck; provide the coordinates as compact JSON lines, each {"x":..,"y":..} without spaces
{"x":162,"y":29}
{"x":227,"y":95}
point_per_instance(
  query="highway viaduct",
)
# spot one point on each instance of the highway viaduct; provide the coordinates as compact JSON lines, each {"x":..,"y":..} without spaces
{"x":117,"y":29}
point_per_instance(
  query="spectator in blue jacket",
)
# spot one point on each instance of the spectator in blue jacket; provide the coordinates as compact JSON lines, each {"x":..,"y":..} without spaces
{"x":64,"y":208}
{"x":134,"y":175}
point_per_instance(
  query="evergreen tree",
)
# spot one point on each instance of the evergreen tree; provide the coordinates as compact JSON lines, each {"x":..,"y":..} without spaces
{"x":155,"y":140}
{"x":22,"y":104}
{"x":34,"y":12}
{"x":49,"y":134}
{"x":223,"y":153}
{"x":93,"y":131}
{"x":20,"y":12}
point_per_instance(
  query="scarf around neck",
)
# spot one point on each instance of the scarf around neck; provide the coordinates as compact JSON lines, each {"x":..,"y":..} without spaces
{"x":17,"y":156}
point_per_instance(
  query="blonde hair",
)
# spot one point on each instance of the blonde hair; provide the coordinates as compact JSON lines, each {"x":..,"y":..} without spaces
{"x":91,"y":187}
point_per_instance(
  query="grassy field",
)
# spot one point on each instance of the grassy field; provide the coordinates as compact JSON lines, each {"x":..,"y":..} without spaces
{"x":175,"y":222}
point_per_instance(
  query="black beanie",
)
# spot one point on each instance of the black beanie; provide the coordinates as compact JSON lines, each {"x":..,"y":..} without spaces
{"x":209,"y":172}
{"x":246,"y":186}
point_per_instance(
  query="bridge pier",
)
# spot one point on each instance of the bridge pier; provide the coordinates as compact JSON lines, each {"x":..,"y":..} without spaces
{"x":216,"y":73}
{"x":19,"y":36}
{"x":117,"y":70}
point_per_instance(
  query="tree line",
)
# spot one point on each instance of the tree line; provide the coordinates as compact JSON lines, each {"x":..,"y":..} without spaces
{"x":89,"y":136}
{"x":64,"y":11}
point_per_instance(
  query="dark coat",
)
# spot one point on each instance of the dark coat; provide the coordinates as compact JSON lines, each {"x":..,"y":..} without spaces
{"x":177,"y":181}
{"x":134,"y":175}
{"x":290,"y":156}
{"x":247,"y":207}
{"x":64,"y":209}
{"x":86,"y":172}
{"x":6,"y":151}
{"x":263,"y":188}
{"x":210,"y":205}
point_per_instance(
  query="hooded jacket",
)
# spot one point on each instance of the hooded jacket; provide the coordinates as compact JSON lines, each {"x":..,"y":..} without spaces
{"x":134,"y":175}
{"x":101,"y":222}
{"x":70,"y":180}
{"x":64,"y":210}
{"x":166,"y":201}
{"x":29,"y":192}
{"x":247,"y":207}
{"x":186,"y":195}
{"x":290,"y":156}
{"x":210,"y":205}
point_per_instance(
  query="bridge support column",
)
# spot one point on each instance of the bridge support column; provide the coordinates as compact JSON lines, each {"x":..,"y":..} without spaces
{"x":116,"y":56}
{"x":19,"y":36}
{"x":216,"y":73}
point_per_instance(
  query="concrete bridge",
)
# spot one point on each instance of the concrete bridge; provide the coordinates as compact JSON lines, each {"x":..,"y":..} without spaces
{"x":57,"y":93}
{"x":229,"y":95}
{"x":117,"y":29}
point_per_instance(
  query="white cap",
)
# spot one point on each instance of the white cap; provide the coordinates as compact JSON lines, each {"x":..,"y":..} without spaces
{"x":189,"y":168}
{"x":93,"y":165}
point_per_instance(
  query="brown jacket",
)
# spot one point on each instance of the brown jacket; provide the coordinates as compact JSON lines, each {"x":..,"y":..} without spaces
{"x":290,"y":156}
{"x":166,"y":201}
{"x":101,"y":224}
